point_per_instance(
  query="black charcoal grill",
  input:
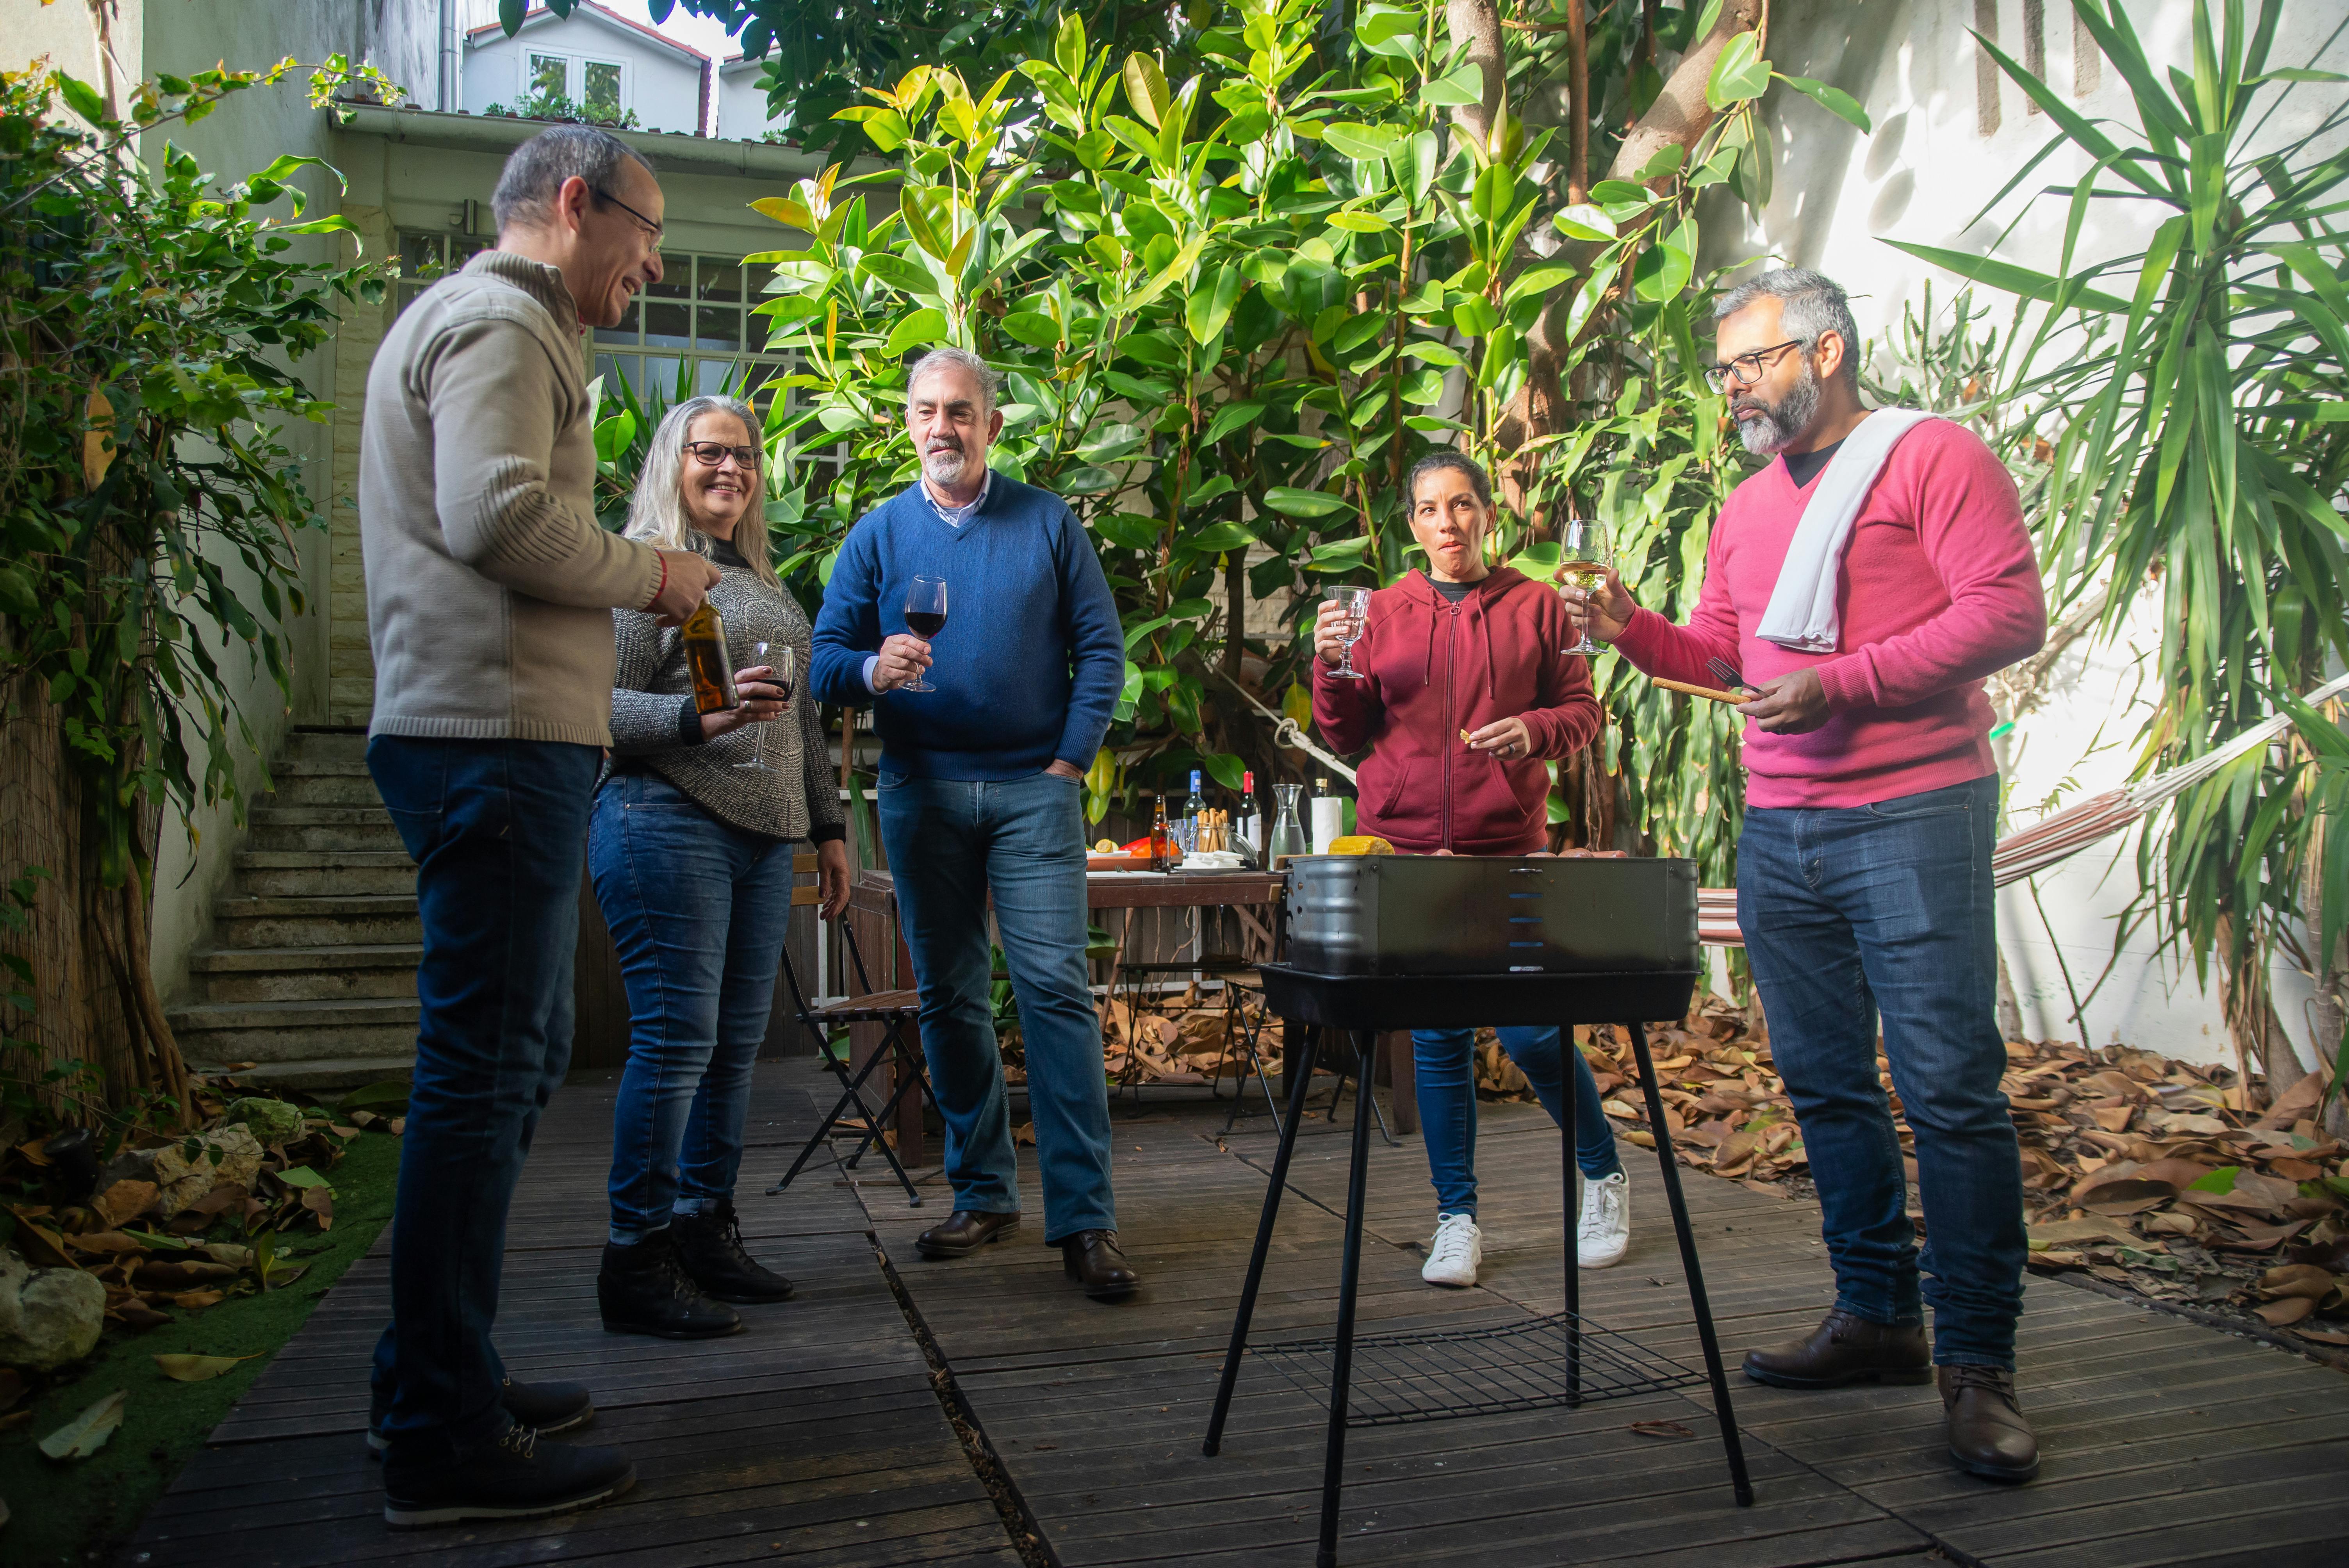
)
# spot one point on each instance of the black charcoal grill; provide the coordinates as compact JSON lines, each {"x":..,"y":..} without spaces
{"x":1405,"y":941}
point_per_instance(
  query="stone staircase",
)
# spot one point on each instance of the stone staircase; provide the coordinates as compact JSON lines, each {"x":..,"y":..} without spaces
{"x":311,"y":971}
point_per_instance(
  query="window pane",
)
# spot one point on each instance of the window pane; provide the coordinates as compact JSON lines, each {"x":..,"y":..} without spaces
{"x":667,"y":325}
{"x":721,"y":279}
{"x":719,"y":327}
{"x":419,"y":257}
{"x":549,"y":75}
{"x":712,"y":375}
{"x":603,"y":95}
{"x":615,"y":368}
{"x":660,"y":380}
{"x":463,"y":251}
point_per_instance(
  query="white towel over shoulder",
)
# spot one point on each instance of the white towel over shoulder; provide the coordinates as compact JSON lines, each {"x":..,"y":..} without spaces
{"x":1802,"y":612}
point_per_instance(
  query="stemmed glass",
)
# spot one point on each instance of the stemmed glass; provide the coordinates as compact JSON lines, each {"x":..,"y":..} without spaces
{"x":1585,"y":554}
{"x":926,"y":617}
{"x":783,"y":665}
{"x":1354,"y":605}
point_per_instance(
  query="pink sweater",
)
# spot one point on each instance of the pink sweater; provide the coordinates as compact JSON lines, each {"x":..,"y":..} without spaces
{"x":1939,"y":588}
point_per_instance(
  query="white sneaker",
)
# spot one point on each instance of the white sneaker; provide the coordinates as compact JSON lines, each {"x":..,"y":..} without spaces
{"x":1606,"y":1228}
{"x":1454,"y":1252}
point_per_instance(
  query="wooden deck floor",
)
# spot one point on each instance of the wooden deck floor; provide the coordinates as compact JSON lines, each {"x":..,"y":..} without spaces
{"x":816,"y":1437}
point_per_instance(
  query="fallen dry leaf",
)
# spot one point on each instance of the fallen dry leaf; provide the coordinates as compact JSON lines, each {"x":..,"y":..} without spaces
{"x":1660,"y":1429}
{"x":86,"y":1433}
{"x":123,"y":1202}
{"x":2291,"y":1309}
{"x":198,"y":1368}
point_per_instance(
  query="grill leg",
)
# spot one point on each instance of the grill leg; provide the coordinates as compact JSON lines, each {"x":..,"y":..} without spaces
{"x":1711,"y":1342}
{"x":1301,"y":1077}
{"x":1341,"y":1361}
{"x":1573,"y":1260}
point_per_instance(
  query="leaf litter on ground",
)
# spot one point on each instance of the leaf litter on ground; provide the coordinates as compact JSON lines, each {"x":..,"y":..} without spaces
{"x":86,"y":1433}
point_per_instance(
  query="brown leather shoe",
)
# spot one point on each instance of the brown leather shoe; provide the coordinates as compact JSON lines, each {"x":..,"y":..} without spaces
{"x":1093,"y":1260}
{"x":1988,"y":1436}
{"x":965,"y":1231}
{"x":1846,"y":1349}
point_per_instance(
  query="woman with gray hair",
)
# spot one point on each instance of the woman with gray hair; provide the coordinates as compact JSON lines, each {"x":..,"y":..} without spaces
{"x":691,"y":845}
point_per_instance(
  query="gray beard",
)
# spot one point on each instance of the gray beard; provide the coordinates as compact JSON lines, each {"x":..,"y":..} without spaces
{"x":1782,"y":424}
{"x":945,"y":468}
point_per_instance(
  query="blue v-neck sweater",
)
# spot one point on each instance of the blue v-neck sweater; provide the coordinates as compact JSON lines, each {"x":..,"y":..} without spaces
{"x":1031,"y":660}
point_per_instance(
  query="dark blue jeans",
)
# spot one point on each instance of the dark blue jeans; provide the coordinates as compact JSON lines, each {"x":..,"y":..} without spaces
{"x":950,"y":843}
{"x":1444,"y":1073}
{"x":497,"y":828}
{"x":1886,"y":908}
{"x":697,"y":910}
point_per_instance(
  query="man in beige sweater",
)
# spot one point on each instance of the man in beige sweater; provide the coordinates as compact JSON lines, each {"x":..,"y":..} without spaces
{"x":489,"y":593}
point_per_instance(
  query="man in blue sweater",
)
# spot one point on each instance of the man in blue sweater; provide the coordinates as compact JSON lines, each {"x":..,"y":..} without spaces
{"x":981,"y":790}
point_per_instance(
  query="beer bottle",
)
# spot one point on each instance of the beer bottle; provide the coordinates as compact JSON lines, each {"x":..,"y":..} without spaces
{"x":1162,"y":856}
{"x":706,"y":661}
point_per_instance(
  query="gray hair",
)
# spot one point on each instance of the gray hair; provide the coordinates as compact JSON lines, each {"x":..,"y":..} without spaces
{"x":656,"y":510}
{"x":535,"y":171}
{"x":961,"y":359}
{"x":1814,"y":304}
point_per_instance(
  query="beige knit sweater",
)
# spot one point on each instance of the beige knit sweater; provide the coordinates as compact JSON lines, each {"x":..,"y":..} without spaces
{"x":490,"y":584}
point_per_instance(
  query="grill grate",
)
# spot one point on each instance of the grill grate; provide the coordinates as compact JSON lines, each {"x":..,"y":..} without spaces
{"x":1430,"y":1374}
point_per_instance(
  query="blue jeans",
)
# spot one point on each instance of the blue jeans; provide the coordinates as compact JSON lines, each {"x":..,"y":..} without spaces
{"x":1886,"y":908}
{"x":951,"y":841}
{"x":1443,"y":1070}
{"x":496,"y":829}
{"x":697,"y":910}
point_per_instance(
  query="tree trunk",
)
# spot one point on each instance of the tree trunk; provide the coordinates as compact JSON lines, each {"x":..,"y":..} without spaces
{"x":1478,"y":23}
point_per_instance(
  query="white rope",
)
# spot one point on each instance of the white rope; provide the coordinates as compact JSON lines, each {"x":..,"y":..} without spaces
{"x":2152,"y":791}
{"x":1287,"y":732}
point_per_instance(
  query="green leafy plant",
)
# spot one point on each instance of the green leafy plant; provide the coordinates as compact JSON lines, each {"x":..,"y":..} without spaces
{"x":147,"y":318}
{"x":2197,"y":392}
{"x":555,"y":105}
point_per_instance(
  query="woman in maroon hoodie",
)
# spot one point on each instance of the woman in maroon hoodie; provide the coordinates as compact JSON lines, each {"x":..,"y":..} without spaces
{"x":1463,"y":646}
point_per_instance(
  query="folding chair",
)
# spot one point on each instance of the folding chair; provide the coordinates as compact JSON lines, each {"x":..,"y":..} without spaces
{"x":1238,"y":987}
{"x":895,"y":1009}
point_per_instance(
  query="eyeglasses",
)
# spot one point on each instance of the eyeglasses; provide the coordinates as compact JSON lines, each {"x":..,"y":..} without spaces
{"x":1746,"y":368}
{"x":711,"y":454}
{"x":651,"y":227}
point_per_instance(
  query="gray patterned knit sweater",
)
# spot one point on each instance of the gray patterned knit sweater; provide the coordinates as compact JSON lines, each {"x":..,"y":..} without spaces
{"x":654,"y":724}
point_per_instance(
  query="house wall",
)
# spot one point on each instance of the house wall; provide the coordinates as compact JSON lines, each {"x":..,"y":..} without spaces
{"x":1950,"y":131}
{"x":663,"y":87}
{"x":742,"y":106}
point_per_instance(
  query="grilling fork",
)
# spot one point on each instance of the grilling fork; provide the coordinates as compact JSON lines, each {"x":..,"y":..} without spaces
{"x":1728,"y":677}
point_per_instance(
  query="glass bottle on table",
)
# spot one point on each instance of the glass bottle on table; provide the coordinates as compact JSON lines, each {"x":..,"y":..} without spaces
{"x":1287,"y":839}
{"x":1161,"y":839}
{"x":1194,"y":809}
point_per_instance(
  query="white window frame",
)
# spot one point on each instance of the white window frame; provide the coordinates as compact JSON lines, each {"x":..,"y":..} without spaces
{"x":528,"y":77}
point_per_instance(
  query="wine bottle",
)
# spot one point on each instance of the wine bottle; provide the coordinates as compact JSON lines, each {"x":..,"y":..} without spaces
{"x":706,"y":661}
{"x":1161,"y":839}
{"x":1193,"y":811}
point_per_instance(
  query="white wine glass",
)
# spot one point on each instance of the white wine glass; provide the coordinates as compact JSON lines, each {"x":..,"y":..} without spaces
{"x":1354,"y":607}
{"x":1585,"y":554}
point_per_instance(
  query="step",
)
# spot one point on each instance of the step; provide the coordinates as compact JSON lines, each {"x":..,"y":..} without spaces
{"x":296,"y":1031}
{"x":324,"y":745}
{"x":366,"y":919}
{"x":327,"y":828}
{"x":319,"y":1077}
{"x":335,"y":781}
{"x":305,"y":874}
{"x":306,"y":973}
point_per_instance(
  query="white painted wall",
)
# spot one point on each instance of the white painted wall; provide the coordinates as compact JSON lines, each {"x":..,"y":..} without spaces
{"x":662,"y":85}
{"x":1926,"y":169}
{"x":742,"y":106}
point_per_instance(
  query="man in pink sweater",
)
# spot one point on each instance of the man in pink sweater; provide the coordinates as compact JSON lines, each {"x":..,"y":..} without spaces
{"x":1863,"y":872}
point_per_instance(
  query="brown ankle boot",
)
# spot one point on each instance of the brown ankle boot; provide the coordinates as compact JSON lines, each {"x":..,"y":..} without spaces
{"x":1988,"y":1436}
{"x":1843,"y":1349}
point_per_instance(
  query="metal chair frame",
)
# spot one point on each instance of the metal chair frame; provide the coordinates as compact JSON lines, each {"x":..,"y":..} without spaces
{"x":911,"y":1071}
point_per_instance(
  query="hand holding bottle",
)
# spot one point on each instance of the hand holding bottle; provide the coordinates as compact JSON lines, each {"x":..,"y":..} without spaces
{"x":690,"y":579}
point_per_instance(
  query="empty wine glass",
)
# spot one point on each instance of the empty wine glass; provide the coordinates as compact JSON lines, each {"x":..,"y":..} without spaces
{"x":782,"y":666}
{"x":926,"y":617}
{"x":1585,"y":554}
{"x":1354,"y":606}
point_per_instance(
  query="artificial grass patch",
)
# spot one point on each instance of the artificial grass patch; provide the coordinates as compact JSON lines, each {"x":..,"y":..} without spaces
{"x":72,"y":1513}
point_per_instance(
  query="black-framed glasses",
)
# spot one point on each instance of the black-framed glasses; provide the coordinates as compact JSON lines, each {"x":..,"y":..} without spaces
{"x":651,"y":227}
{"x":709,"y":454}
{"x":1746,"y":368}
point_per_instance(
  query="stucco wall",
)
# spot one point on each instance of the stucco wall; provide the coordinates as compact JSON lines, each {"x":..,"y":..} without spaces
{"x":742,"y":106}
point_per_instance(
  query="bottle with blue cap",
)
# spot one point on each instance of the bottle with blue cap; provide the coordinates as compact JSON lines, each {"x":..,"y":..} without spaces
{"x":1192,"y":810}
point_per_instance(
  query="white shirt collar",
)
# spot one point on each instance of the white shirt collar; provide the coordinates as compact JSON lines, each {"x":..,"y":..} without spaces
{"x":955,"y":516}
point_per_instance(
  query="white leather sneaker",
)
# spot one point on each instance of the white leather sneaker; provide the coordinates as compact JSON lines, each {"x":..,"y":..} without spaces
{"x":1454,"y":1252}
{"x":1606,"y":1228}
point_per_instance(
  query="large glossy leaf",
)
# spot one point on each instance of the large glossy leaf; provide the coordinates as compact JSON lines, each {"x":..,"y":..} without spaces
{"x":1738,"y":73}
{"x":1303,"y":502}
{"x":1833,"y":100}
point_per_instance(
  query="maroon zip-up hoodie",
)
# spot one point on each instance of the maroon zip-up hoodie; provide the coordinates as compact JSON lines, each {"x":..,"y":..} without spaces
{"x":1433,"y":669}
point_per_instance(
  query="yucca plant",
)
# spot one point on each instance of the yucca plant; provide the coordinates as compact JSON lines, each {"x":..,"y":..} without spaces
{"x":2195,"y":393}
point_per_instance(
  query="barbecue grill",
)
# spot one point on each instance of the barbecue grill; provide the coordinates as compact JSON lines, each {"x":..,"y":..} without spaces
{"x":1448,"y":942}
